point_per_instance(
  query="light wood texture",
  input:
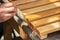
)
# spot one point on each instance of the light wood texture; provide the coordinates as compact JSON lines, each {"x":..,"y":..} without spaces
{"x":19,"y":2}
{"x":45,"y":30}
{"x":34,"y":3}
{"x":42,"y":8}
{"x":38,"y":15}
{"x":43,"y":21}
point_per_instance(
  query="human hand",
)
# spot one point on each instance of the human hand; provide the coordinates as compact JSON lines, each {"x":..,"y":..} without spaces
{"x":7,"y":10}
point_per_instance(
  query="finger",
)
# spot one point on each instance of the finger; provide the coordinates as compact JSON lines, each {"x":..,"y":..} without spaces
{"x":6,"y":10}
{"x":7,"y":5}
{"x":5,"y":17}
{"x":9,"y":14}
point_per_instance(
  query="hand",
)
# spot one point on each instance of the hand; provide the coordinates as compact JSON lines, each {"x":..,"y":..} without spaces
{"x":7,"y":10}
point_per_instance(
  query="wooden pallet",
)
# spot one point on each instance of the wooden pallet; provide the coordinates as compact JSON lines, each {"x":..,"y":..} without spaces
{"x":38,"y":17}
{"x":41,"y":20}
{"x":41,"y":15}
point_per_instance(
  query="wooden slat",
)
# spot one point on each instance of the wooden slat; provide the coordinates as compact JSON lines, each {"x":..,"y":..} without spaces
{"x":48,"y":29}
{"x":44,"y":21}
{"x":42,"y":8}
{"x":19,"y":2}
{"x":34,"y":4}
{"x":32,"y":17}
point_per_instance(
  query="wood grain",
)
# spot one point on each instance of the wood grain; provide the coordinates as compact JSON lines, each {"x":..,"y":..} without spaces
{"x":42,"y":8}
{"x":44,"y":30}
{"x":34,"y":4}
{"x":39,"y":15}
{"x":45,"y":20}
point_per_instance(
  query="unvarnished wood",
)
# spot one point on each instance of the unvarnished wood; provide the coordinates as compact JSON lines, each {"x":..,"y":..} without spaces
{"x":44,"y":21}
{"x":44,"y":30}
{"x":35,"y":3}
{"x":42,"y":8}
{"x":19,"y":2}
{"x":39,"y":15}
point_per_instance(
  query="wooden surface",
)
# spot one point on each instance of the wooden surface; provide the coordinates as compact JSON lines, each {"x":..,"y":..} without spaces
{"x":44,"y":30}
{"x":42,"y":19}
{"x":41,"y":14}
{"x":35,"y":18}
{"x":26,"y":4}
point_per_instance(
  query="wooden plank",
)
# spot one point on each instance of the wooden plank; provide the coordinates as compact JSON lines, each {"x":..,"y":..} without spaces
{"x":38,"y":15}
{"x":35,"y":3}
{"x":45,"y":21}
{"x":42,"y":8}
{"x":44,"y":30}
{"x":19,"y":2}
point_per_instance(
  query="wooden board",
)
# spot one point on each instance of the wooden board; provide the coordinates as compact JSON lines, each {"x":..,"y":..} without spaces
{"x":34,"y":3}
{"x":42,"y":8}
{"x":39,"y":15}
{"x":45,"y":30}
{"x":20,"y":2}
{"x":37,"y":18}
{"x":45,"y":21}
